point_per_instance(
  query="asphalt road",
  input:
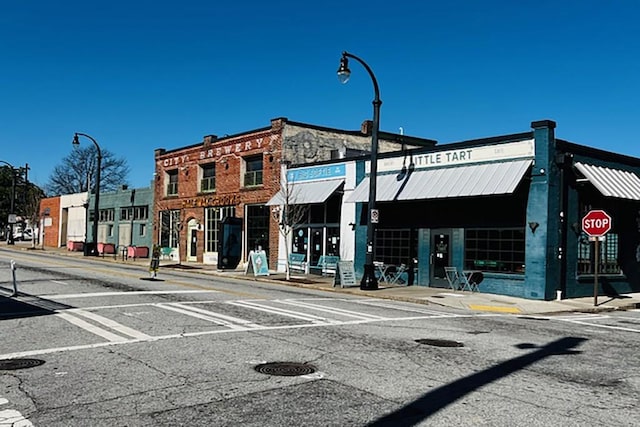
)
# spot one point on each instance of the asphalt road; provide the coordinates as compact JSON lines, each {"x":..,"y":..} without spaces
{"x":97,"y":344}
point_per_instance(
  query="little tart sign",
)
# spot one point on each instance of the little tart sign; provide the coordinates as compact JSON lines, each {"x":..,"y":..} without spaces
{"x":596,"y":223}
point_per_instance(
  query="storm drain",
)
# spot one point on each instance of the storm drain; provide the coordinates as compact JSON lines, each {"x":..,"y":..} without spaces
{"x":285,"y":369}
{"x":440,"y":343}
{"x":14,"y":364}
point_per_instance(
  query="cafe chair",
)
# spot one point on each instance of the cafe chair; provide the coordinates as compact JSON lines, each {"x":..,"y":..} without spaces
{"x":453,"y":277}
{"x":472,"y":281}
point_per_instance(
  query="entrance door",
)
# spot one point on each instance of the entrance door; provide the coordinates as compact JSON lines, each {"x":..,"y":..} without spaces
{"x":440,"y":257}
{"x":192,"y":243}
{"x":315,"y":251}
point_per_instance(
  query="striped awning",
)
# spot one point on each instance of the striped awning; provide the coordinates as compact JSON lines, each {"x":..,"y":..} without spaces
{"x":480,"y":179}
{"x":612,"y":182}
{"x":304,"y":193}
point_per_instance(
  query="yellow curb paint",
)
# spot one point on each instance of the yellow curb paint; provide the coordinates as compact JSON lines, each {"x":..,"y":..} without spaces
{"x":494,"y":308}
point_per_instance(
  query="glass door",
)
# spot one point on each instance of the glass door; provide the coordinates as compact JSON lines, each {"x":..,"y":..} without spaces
{"x":440,"y":257}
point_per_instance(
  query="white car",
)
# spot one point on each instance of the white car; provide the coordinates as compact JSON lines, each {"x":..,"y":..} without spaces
{"x":26,"y":234}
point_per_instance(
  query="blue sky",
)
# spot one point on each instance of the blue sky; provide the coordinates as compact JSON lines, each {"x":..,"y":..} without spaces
{"x":139,"y":75}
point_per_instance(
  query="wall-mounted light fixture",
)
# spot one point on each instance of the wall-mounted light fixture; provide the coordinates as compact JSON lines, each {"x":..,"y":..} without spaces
{"x":352,"y":225}
{"x":533,"y":225}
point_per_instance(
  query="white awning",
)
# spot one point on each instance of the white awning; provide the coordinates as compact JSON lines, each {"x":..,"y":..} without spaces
{"x":481,"y":179}
{"x":612,"y":182}
{"x":303,"y":193}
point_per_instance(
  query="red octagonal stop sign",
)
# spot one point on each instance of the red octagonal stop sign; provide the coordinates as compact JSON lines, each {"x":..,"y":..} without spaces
{"x":596,"y":223}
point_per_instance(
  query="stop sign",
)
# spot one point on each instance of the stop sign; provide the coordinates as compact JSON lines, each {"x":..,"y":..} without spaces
{"x":596,"y":223}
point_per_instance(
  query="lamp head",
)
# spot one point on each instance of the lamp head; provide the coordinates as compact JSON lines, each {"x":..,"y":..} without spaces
{"x":76,"y":141}
{"x":344,"y":72}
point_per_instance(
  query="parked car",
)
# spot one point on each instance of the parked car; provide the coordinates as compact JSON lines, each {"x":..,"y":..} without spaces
{"x":24,"y":235}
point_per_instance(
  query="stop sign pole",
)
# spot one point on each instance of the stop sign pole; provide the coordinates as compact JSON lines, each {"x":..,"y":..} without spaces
{"x":596,"y":223}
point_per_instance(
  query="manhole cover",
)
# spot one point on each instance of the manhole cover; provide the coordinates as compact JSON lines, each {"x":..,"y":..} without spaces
{"x":13,"y":364}
{"x":440,"y":343}
{"x":285,"y":369}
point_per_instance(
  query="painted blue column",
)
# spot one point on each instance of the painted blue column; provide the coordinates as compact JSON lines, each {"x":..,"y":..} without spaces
{"x":543,"y":226}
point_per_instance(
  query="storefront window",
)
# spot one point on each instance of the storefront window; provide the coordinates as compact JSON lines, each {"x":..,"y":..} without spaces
{"x":213,"y":219}
{"x":258,"y":227}
{"x":170,"y":228}
{"x":395,"y":246}
{"x":501,"y":249}
{"x":608,"y":259}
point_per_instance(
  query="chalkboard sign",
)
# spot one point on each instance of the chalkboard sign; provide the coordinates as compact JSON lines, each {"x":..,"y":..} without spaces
{"x":345,"y":274}
{"x":257,"y":264}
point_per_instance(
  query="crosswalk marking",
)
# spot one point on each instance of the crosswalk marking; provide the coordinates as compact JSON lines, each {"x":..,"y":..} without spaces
{"x":342,"y":312}
{"x":118,"y":327}
{"x":210,"y":316}
{"x":109,"y":336}
{"x":280,"y":311}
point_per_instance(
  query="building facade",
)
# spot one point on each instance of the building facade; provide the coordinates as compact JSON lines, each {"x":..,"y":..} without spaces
{"x":63,"y":219}
{"x":125,"y":217}
{"x":199,"y":186}
{"x":510,"y":208}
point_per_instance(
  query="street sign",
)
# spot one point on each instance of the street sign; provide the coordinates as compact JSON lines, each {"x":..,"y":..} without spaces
{"x":596,"y":223}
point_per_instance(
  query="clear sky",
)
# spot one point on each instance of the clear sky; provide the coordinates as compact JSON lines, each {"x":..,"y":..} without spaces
{"x":138,"y":75}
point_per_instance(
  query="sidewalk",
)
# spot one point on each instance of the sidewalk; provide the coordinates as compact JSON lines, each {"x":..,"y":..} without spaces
{"x":464,"y":300}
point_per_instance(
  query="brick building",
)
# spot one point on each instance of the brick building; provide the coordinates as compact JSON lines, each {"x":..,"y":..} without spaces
{"x":198,"y":186}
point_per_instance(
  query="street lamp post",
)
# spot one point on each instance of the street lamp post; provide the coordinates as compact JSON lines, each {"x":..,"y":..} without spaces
{"x":10,"y":240}
{"x":369,"y":280}
{"x":96,"y":211}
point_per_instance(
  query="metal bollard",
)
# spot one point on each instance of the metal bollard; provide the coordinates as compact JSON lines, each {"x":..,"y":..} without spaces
{"x":13,"y":273}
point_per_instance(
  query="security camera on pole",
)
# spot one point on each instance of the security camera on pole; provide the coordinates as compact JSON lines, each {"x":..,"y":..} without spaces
{"x":596,"y":223}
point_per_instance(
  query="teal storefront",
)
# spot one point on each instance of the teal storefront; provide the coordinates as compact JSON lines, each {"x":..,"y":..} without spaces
{"x":509,"y":207}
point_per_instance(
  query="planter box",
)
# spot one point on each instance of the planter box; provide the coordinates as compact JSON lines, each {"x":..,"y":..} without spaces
{"x":75,"y":246}
{"x":106,"y":248}
{"x":137,"y":252}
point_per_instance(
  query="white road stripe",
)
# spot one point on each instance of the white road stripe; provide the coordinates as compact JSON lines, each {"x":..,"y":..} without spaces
{"x":118,"y":327}
{"x":108,"y":294}
{"x":208,"y":318}
{"x":32,"y":353}
{"x":281,"y":312}
{"x":90,"y":327}
{"x":595,"y":325}
{"x":232,"y":319}
{"x":338,"y":311}
{"x":401,"y":308}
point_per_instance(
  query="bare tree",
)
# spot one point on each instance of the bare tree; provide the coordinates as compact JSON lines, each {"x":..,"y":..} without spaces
{"x":289,"y":215}
{"x":74,"y":174}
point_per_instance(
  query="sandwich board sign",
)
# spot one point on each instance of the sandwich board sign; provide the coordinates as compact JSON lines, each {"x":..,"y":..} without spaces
{"x":257,"y":264}
{"x":345,"y":275}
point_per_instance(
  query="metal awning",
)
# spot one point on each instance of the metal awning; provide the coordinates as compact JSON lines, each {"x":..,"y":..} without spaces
{"x":480,"y":179}
{"x":612,"y":182}
{"x":303,"y":193}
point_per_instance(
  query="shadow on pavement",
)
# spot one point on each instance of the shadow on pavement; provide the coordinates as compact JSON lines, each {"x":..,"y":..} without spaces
{"x":430,"y":403}
{"x":27,"y":306}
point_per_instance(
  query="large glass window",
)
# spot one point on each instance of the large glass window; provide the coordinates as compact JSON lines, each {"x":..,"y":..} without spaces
{"x":213,"y":218}
{"x":608,"y":257}
{"x":253,"y":171}
{"x":172,"y":183}
{"x":208,"y":181}
{"x":395,"y":246}
{"x":170,"y":227}
{"x":258,"y":227}
{"x":501,"y":249}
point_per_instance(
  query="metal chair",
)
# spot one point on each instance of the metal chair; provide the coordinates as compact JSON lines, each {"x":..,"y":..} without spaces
{"x":453,"y":277}
{"x":472,"y":280}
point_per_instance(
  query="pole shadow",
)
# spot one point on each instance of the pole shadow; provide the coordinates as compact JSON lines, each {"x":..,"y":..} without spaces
{"x":433,"y":401}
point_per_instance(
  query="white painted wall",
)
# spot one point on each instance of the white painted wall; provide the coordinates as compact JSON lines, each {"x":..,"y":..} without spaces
{"x":76,"y":218}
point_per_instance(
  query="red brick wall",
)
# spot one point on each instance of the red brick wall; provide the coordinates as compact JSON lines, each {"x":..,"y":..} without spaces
{"x":51,"y":233}
{"x":228,"y":155}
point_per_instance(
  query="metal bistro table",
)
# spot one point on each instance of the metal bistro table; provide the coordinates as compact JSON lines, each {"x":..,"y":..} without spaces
{"x":471,"y":279}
